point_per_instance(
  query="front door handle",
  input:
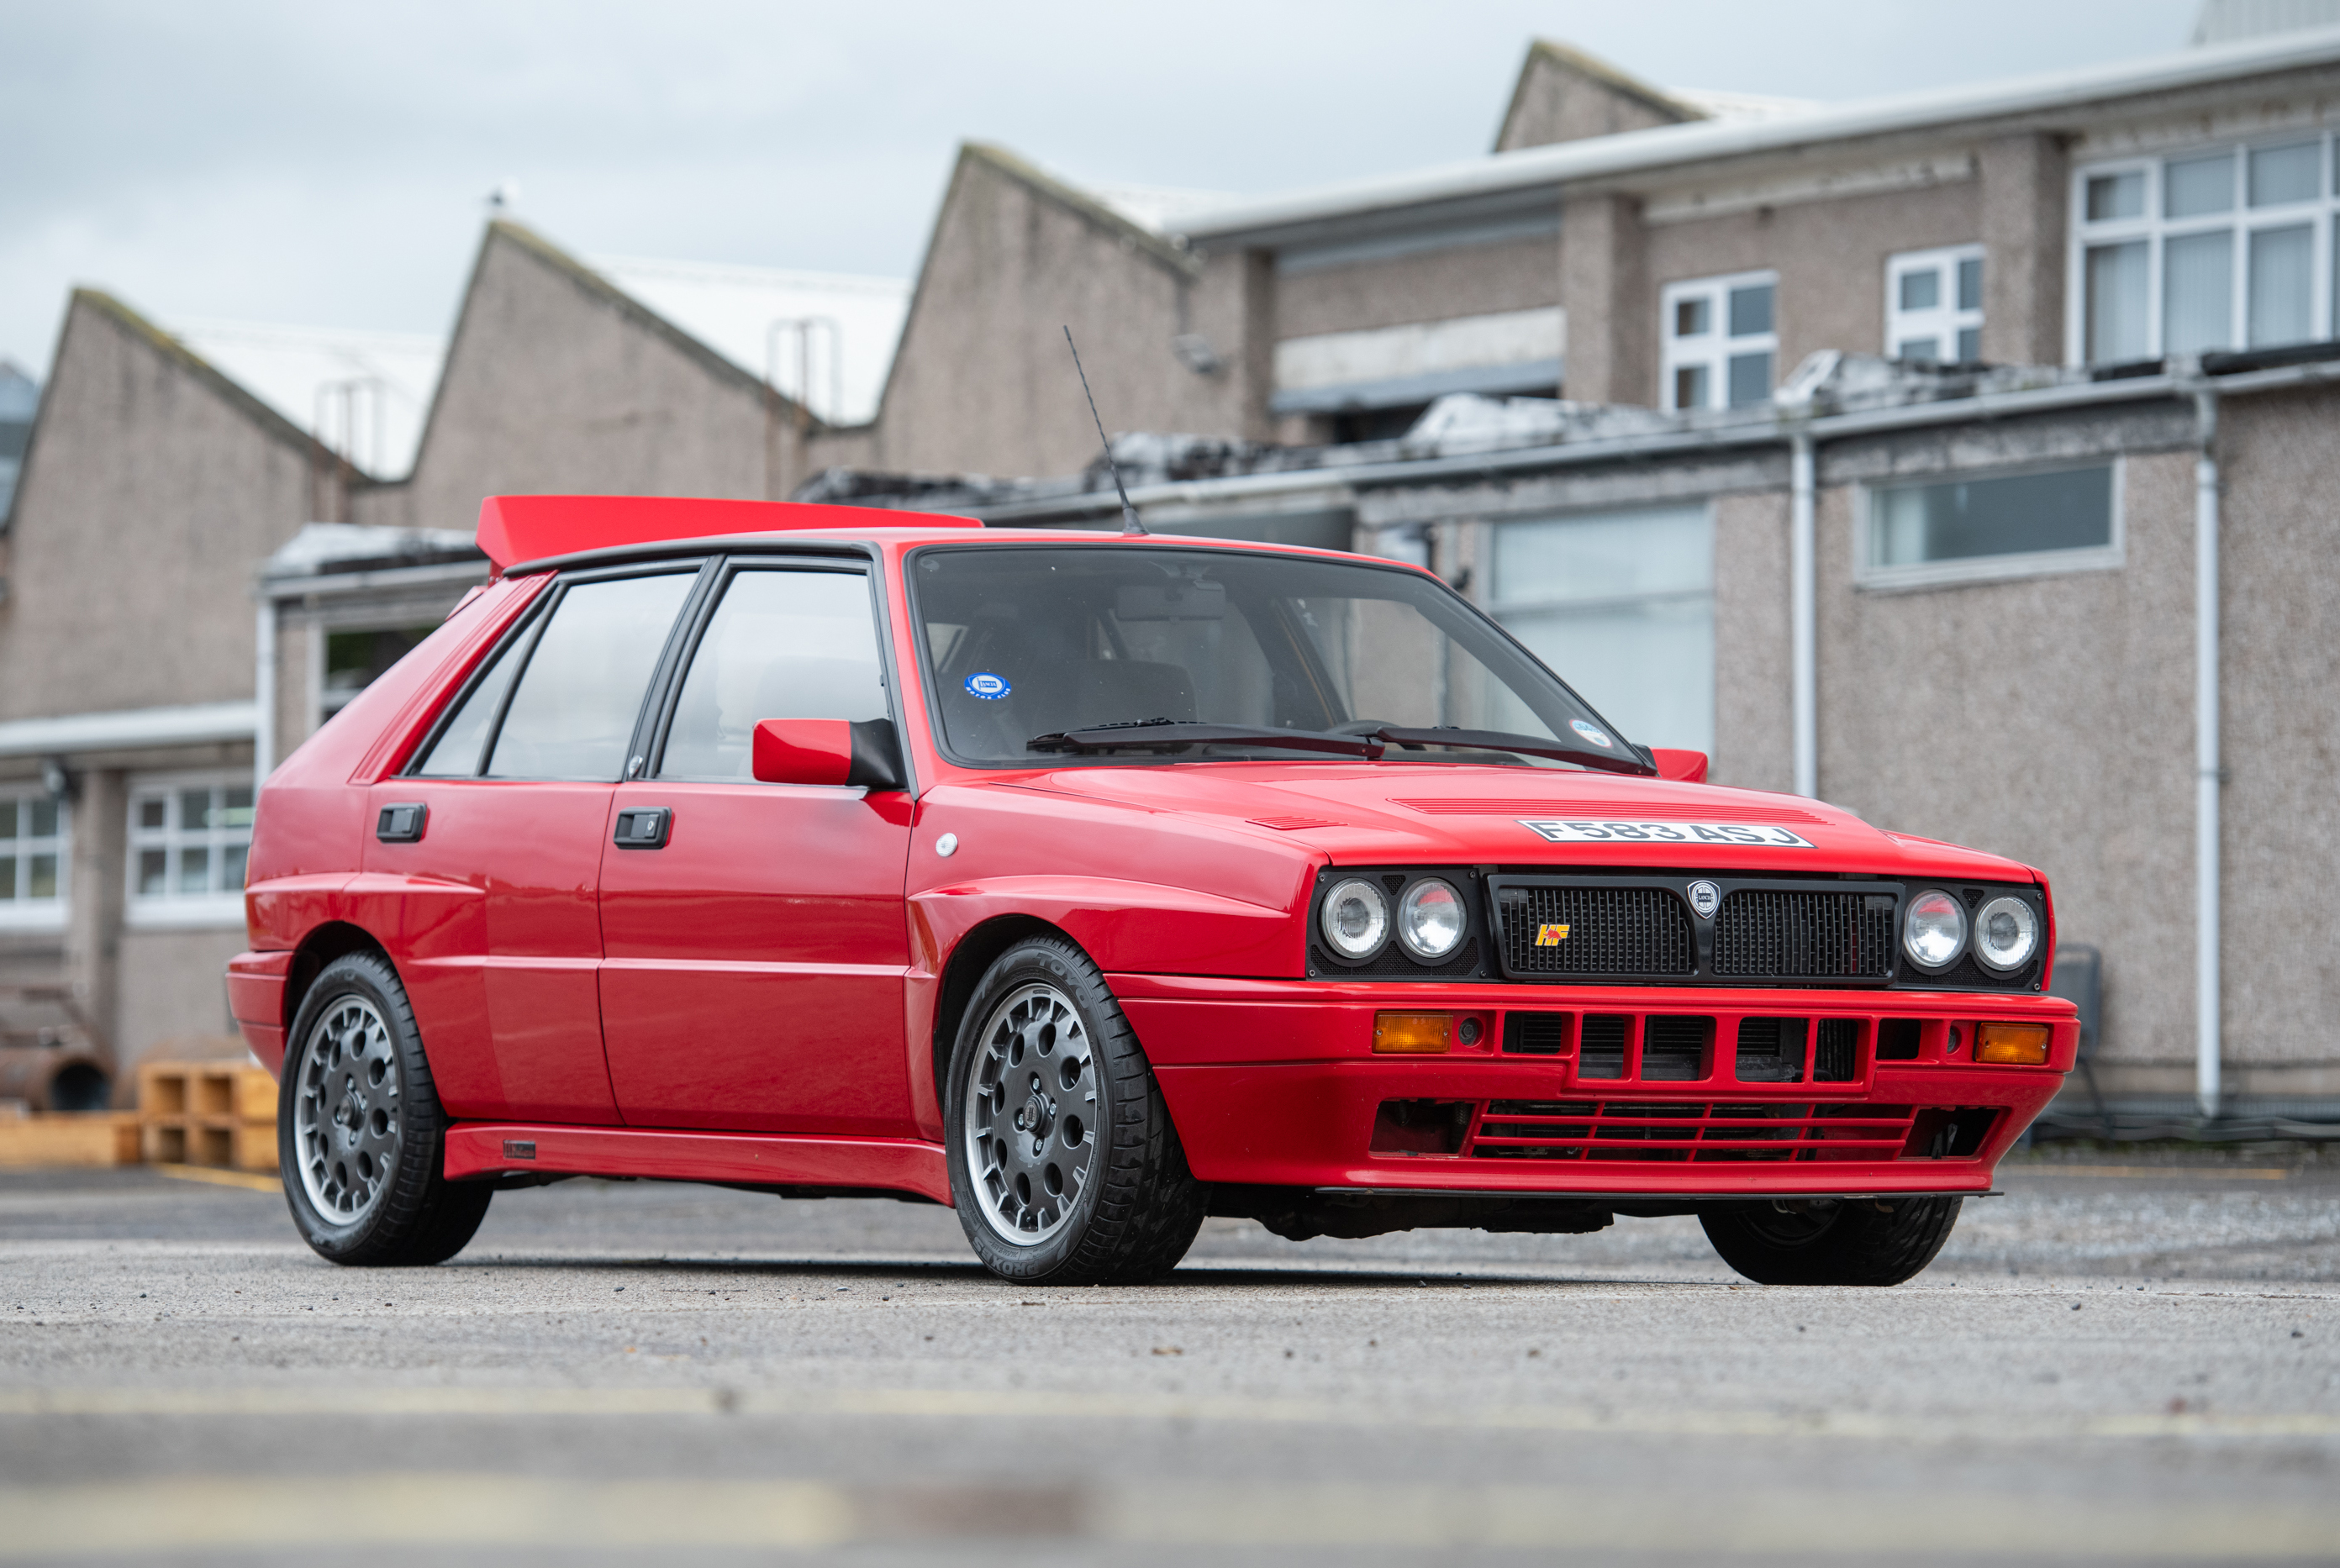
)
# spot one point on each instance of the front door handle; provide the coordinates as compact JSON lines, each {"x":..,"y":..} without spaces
{"x":643,"y":827}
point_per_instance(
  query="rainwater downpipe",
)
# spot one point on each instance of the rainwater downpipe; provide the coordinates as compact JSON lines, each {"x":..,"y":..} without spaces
{"x":264,"y":693}
{"x":1802,"y":613}
{"x":2207,"y":769}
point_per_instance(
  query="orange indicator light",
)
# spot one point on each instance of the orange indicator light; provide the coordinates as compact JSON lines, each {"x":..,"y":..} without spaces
{"x":1412,"y":1034}
{"x":2016,"y":1044}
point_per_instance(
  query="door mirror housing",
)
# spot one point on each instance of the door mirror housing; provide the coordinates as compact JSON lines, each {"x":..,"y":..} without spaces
{"x":829,"y":752}
{"x":1681,"y":766}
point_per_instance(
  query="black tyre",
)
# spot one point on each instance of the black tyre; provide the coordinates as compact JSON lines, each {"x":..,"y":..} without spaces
{"x":1063,"y":1161}
{"x":359,"y":1131}
{"x":1846,"y":1241}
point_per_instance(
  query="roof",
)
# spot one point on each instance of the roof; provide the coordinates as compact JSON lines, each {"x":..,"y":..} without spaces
{"x":738,"y":311}
{"x":185,"y":724}
{"x":1632,"y":153}
{"x":516,"y":528}
{"x":363,"y":394}
{"x":325,"y":548}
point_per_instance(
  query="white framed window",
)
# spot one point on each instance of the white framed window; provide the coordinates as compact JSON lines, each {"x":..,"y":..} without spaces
{"x":1933,"y":306}
{"x":34,"y":859}
{"x":1972,"y":527}
{"x":189,"y":836}
{"x":1621,"y":605}
{"x":1721,"y":347}
{"x":2217,"y":247}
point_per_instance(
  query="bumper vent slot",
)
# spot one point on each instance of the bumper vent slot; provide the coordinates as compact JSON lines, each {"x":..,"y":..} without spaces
{"x":1804,"y":935}
{"x":1673,"y":1049}
{"x":1688,"y":1131}
{"x":1771,"y":1050}
{"x":1836,"y":1058}
{"x":1603,"y":1054}
{"x":1600,"y":930}
{"x":1539,"y":1034}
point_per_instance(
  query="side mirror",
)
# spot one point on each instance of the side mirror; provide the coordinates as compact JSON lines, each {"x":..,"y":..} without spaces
{"x":829,"y":752}
{"x":1682,"y":767}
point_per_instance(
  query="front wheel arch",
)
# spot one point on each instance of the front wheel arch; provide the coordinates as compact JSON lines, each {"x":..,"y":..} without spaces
{"x":963,"y":972}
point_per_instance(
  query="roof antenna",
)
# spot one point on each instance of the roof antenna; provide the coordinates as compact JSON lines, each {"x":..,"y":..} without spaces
{"x":1131,"y":529}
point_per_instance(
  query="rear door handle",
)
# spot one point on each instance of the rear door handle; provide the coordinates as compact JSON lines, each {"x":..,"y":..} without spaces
{"x":401,"y":823}
{"x":643,"y":827}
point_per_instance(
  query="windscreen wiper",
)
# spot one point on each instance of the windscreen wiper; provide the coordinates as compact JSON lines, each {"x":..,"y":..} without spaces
{"x":1153,"y":734}
{"x":1627,"y":760}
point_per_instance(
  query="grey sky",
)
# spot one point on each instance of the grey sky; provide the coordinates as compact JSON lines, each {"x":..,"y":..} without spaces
{"x":324,"y":164}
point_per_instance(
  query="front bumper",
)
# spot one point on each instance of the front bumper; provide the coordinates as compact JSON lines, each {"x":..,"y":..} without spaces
{"x":1274,"y":1083}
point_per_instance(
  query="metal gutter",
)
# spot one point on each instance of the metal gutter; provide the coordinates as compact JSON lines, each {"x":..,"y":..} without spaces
{"x":1665,"y":146}
{"x":121,"y":729}
{"x":1803,"y":617}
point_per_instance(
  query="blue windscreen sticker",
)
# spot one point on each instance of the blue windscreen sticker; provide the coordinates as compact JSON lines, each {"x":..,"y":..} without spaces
{"x":1592,"y":732}
{"x":988,"y":687}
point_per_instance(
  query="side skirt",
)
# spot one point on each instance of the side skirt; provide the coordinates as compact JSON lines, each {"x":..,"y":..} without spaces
{"x":497,"y":1148}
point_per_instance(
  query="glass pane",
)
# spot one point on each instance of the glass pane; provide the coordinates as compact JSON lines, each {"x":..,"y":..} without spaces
{"x":1689,"y":386}
{"x":572,"y":714}
{"x":235,"y":810}
{"x":7,"y":876}
{"x":151,"y":811}
{"x":44,"y":815}
{"x":42,"y":883}
{"x":1919,"y":351}
{"x":782,"y":645}
{"x":2113,"y":196}
{"x":1629,"y":555}
{"x":194,"y":810}
{"x":1649,"y":666}
{"x":2192,"y":187}
{"x":355,"y":660}
{"x":194,"y":870}
{"x":7,"y":819}
{"x":1751,"y":379}
{"x":2197,"y":292}
{"x":1970,"y":284}
{"x":154,"y":872}
{"x":2281,"y":266}
{"x":2116,"y":307}
{"x":2280,"y":174}
{"x":1969,"y":345}
{"x":231,"y":861}
{"x":457,"y":754}
{"x":1911,"y":524}
{"x":1921,"y":291}
{"x":1691,"y":317}
{"x":1751,"y":311}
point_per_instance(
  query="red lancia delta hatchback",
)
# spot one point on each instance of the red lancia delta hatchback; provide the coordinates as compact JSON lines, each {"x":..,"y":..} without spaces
{"x":1093,"y":884}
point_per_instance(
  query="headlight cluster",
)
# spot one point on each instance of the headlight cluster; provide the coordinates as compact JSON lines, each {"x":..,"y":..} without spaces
{"x":1431,"y":919}
{"x":1934,"y":932}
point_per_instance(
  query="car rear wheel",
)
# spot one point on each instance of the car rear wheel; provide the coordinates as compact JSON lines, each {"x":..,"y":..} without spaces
{"x":1839,"y":1241}
{"x":1064,"y":1164}
{"x":359,"y":1129}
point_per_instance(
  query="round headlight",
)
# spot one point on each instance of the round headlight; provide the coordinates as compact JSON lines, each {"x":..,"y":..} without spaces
{"x":1934,"y":930}
{"x":2006,"y":933}
{"x":1431,"y":919}
{"x":1355,"y":919}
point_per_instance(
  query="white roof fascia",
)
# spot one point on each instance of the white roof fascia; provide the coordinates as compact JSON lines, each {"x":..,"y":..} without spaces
{"x":123,"y":729}
{"x":1635,"y":152}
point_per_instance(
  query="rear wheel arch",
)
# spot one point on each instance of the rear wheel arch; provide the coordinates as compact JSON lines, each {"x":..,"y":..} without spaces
{"x":334,"y":939}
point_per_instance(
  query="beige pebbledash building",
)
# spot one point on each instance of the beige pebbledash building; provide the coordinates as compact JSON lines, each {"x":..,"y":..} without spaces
{"x":1960,"y":456}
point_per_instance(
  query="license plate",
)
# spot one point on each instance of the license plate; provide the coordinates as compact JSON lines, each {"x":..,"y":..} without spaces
{"x":1554,"y":829}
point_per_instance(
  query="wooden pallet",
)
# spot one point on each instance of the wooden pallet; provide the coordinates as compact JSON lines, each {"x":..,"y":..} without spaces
{"x":216,"y":1113}
{"x":70,"y":1138}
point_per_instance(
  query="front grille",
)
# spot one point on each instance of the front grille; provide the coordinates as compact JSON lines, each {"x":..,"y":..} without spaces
{"x":1608,"y":931}
{"x":1760,"y":935}
{"x":1686,"y":1131}
{"x":1771,"y":1050}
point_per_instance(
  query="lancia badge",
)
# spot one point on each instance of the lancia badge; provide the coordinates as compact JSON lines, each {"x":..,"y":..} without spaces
{"x":1705,"y":898}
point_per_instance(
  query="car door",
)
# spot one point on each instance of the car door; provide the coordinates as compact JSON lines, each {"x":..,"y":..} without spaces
{"x":495,"y":835}
{"x":755,"y":942}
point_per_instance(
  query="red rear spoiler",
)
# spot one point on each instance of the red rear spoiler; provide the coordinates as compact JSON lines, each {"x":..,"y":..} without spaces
{"x":516,"y":528}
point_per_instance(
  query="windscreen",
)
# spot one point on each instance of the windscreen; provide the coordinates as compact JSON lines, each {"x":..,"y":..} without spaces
{"x":1024,"y":644}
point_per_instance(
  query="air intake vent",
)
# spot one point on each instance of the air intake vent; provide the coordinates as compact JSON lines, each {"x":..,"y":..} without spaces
{"x":1837,"y":1058}
{"x":1673,"y":1049}
{"x":1539,"y":1034}
{"x":1804,"y":935}
{"x":1771,"y":1050}
{"x":1603,"y":1053}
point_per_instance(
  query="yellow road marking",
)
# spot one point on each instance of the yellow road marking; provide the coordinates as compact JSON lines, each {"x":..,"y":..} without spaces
{"x":230,"y":1512}
{"x":2216,"y":1173}
{"x":251,"y":1181}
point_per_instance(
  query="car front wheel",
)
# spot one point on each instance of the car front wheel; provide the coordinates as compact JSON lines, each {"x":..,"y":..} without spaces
{"x":1063,"y":1164}
{"x":359,"y":1130}
{"x":1831,"y":1242}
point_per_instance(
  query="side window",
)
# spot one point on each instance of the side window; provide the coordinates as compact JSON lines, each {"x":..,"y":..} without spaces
{"x":782,"y":644}
{"x":572,"y":714}
{"x":456,"y":753}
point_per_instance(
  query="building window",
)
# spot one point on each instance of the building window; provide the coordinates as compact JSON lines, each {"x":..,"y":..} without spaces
{"x":1620,"y":605}
{"x":33,"y":875}
{"x":1990,"y":526}
{"x":354,"y":658}
{"x":1721,"y":347}
{"x":1933,"y":306}
{"x":2229,"y":248}
{"x":189,"y":836}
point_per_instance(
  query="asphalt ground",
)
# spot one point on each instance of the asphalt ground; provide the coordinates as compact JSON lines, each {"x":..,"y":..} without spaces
{"x":2128,"y":1356}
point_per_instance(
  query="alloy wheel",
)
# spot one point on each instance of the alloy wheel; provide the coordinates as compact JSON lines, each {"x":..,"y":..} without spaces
{"x":1031,"y":1115}
{"x":345,"y":1121}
